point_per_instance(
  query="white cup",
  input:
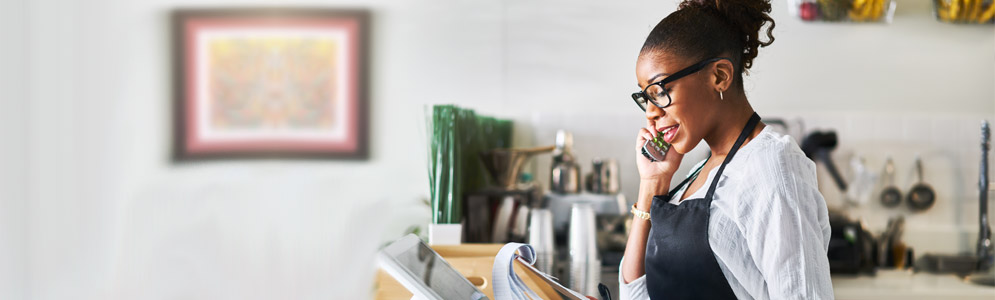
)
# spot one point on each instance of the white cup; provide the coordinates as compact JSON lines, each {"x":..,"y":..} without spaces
{"x":585,"y":267}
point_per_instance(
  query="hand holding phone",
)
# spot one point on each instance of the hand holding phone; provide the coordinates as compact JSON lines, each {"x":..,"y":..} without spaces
{"x":655,"y":149}
{"x":653,"y":157}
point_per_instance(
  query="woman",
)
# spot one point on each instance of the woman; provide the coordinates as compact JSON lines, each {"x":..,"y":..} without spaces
{"x":755,"y":226}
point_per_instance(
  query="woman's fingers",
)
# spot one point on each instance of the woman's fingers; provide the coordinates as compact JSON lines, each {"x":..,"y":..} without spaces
{"x":644,"y":135}
{"x":641,"y":138}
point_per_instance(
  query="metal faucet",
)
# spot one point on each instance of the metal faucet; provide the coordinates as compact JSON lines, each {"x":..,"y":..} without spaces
{"x":986,"y":257}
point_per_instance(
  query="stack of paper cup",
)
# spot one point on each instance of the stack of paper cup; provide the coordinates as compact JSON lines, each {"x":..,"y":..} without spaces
{"x":541,"y":238}
{"x":585,"y":267}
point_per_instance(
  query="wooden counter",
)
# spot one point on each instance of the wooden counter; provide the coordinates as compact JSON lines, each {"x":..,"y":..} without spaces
{"x":475,"y":262}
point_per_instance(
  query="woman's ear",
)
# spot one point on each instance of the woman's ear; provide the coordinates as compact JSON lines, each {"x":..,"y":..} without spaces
{"x":723,"y":75}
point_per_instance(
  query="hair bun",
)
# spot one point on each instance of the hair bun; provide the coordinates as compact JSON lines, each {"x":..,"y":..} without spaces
{"x":747,"y":17}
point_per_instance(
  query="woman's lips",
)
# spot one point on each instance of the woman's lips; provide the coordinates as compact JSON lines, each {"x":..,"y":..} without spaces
{"x":669,"y":132}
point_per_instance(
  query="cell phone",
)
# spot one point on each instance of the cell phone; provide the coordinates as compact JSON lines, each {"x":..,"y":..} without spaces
{"x":655,"y":152}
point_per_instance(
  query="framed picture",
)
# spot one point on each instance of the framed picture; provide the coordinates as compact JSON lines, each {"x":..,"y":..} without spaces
{"x":270,"y":82}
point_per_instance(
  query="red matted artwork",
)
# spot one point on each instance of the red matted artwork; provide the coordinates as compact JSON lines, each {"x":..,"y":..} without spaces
{"x":270,"y":83}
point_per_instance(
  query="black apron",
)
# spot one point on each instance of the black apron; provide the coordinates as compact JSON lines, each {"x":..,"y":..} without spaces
{"x":680,"y":263}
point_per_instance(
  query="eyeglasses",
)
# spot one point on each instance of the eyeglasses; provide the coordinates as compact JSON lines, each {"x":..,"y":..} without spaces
{"x":656,"y":92}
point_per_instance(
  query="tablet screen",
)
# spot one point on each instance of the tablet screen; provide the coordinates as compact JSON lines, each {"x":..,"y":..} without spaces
{"x":430,"y":270}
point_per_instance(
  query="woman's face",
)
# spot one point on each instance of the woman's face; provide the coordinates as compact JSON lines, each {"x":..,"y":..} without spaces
{"x":691,"y":96}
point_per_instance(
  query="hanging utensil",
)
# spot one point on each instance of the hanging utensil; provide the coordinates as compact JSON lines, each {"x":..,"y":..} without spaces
{"x":891,"y":196}
{"x":985,"y":251}
{"x":861,"y":187}
{"x":817,"y":146}
{"x":921,"y":196}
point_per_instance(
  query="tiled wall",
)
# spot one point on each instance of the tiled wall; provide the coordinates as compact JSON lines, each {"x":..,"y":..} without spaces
{"x":949,"y":145}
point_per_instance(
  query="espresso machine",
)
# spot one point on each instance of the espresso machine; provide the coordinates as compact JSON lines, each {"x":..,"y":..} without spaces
{"x":499,"y":212}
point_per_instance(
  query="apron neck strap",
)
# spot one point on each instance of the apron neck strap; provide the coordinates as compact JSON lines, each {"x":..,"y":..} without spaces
{"x":689,"y":178}
{"x":750,"y":125}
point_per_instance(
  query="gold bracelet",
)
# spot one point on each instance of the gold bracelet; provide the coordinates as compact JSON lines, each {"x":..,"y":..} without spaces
{"x":640,"y":214}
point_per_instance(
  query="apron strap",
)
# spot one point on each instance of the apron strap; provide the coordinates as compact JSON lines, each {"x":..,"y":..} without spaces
{"x":750,"y":125}
{"x":692,"y":176}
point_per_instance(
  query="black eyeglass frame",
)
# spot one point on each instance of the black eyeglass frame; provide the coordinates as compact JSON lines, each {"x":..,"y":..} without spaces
{"x":684,"y":72}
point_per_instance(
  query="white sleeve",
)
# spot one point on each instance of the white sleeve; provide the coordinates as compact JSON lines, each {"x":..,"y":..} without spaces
{"x":784,"y":234}
{"x":635,"y":290}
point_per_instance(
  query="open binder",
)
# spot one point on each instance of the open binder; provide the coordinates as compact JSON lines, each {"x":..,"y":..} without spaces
{"x":507,"y":284}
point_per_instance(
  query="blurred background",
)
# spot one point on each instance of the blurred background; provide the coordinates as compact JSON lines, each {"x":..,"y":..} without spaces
{"x":92,"y":206}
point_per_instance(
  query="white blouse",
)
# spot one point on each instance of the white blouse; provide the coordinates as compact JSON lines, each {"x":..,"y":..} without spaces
{"x":769,"y":225}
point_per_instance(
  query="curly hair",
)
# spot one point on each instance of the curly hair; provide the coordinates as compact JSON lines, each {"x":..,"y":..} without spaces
{"x":702,"y":29}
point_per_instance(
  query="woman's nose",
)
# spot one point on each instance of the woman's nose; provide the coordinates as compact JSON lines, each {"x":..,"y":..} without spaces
{"x":653,"y":112}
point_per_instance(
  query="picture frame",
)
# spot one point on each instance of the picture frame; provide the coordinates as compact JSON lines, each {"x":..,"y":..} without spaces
{"x":270,"y":83}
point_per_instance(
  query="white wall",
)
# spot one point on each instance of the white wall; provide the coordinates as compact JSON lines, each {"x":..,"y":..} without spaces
{"x":13,"y":154}
{"x":106,"y":215}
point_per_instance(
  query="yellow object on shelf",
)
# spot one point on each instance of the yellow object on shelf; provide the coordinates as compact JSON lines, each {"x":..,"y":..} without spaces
{"x":843,"y":11}
{"x":965,"y":11}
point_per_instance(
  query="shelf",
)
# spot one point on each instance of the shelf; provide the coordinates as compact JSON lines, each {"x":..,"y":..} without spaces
{"x":843,"y":11}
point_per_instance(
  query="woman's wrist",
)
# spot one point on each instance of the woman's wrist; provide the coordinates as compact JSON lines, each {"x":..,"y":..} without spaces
{"x":649,"y":188}
{"x":658,"y":186}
